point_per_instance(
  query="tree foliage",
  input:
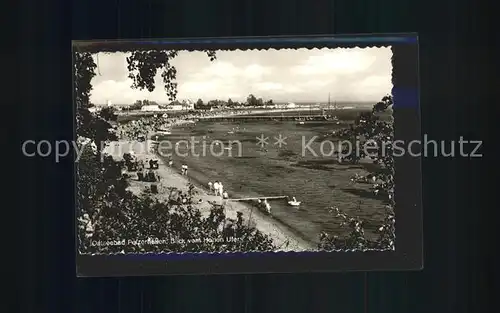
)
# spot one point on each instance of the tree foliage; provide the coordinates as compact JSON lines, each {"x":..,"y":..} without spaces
{"x":108,"y":114}
{"x":106,"y":210}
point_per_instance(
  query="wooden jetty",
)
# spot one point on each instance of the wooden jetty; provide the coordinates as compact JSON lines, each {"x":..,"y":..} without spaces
{"x":259,"y":198}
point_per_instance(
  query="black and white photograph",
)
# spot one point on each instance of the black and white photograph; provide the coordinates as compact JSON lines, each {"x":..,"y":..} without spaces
{"x":224,"y":151}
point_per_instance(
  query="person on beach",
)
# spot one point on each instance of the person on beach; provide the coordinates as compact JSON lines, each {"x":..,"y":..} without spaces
{"x":170,"y":163}
{"x":225,"y":195}
{"x":185,"y":169}
{"x":216,"y":188}
{"x":210,"y":186}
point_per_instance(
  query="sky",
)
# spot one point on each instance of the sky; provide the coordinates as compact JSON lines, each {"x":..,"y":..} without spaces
{"x":286,"y":75}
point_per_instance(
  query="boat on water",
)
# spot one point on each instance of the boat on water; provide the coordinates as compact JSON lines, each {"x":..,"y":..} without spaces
{"x":294,"y":202}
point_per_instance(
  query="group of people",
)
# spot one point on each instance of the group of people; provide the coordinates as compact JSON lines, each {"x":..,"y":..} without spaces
{"x":218,"y":189}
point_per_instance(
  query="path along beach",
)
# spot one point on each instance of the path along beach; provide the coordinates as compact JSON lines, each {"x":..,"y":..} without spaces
{"x":283,"y":237}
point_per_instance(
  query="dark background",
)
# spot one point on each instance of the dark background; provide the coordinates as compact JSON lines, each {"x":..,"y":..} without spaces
{"x":454,"y":58}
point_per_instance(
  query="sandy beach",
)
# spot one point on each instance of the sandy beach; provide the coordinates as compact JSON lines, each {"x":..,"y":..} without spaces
{"x":170,"y":177}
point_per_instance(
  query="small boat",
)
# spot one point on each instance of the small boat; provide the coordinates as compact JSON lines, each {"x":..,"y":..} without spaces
{"x":294,"y":202}
{"x":301,"y":123}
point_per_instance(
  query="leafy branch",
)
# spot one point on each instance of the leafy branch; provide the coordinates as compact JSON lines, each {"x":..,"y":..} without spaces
{"x":144,"y":65}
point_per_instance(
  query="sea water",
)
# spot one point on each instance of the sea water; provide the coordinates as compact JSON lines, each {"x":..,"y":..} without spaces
{"x":316,"y":179}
